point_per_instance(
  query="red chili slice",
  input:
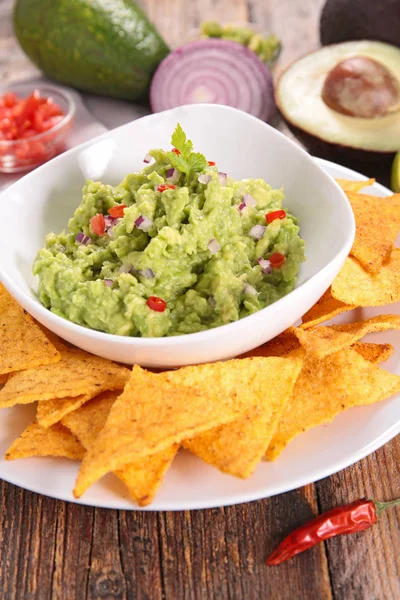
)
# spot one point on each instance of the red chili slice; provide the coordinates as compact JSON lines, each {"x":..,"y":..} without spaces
{"x":276,"y":214}
{"x":98,"y":224}
{"x":176,"y":151}
{"x":117,"y":212}
{"x":157,"y":304}
{"x":211,"y":163}
{"x":166,"y":186}
{"x":276,"y":259}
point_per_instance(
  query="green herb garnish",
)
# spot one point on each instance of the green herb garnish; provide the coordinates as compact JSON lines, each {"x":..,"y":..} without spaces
{"x":187,"y":161}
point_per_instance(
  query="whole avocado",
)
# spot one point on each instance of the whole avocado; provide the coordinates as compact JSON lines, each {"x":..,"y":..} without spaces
{"x":106,"y":47}
{"x":346,"y":20}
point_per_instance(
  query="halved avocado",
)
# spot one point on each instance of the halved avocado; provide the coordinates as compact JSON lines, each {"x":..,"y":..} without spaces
{"x":343,"y":101}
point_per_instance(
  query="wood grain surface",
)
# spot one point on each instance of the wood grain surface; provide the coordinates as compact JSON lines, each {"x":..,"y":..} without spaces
{"x":50,"y":549}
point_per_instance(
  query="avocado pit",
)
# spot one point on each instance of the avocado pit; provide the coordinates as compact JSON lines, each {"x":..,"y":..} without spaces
{"x":359,"y":86}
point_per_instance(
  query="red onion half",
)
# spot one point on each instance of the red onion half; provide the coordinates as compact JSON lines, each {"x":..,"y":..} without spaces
{"x":215,"y":71}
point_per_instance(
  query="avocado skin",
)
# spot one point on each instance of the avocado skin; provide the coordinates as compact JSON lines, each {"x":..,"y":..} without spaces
{"x":346,"y":20}
{"x":106,"y":47}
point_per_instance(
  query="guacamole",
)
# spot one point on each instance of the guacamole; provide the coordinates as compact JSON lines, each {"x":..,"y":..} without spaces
{"x":176,"y":248}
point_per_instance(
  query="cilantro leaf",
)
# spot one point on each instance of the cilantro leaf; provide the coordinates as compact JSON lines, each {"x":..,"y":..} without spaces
{"x":187,"y":161}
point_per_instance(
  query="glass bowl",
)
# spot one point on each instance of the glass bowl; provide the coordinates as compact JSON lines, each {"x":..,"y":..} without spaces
{"x":26,"y":154}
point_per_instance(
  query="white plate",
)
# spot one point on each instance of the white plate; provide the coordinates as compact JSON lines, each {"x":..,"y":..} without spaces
{"x":191,"y":484}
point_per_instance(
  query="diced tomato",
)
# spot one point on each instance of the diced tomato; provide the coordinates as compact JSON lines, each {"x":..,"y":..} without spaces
{"x":157,"y":304}
{"x":166,"y":186}
{"x":25,"y":109}
{"x":211,"y":163}
{"x":117,"y":212}
{"x":34,"y":114}
{"x":275,"y":214}
{"x":8,"y":100}
{"x":276,"y":259}
{"x":176,"y":151}
{"x":98,"y":224}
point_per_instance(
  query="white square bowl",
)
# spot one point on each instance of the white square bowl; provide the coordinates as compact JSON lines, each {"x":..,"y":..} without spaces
{"x":242,"y":146}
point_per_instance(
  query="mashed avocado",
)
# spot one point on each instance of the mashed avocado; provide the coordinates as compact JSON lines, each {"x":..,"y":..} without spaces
{"x":174,"y":249}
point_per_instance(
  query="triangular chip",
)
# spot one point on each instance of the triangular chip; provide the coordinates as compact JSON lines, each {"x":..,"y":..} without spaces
{"x":156,"y":411}
{"x":327,"y":387}
{"x":143,"y":477}
{"x":354,"y":285}
{"x":77,"y":373}
{"x":22,"y":343}
{"x":326,"y":308}
{"x":324,"y":340}
{"x":374,"y":353}
{"x":377,"y":227}
{"x":237,"y":448}
{"x":38,"y":441}
{"x":279,"y":346}
{"x":354,"y":186}
{"x":50,"y":412}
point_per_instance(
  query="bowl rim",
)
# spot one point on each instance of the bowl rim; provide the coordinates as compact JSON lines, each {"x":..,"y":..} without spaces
{"x":176,"y":340}
{"x":67,"y":118}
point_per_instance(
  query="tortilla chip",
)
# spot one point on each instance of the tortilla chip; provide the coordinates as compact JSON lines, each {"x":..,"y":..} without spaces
{"x":37,"y":441}
{"x":22,"y":343}
{"x":156,"y":411}
{"x":354,"y":285}
{"x":78,"y":373}
{"x":374,"y":353}
{"x":3,"y":379}
{"x":50,"y":412}
{"x":354,"y":186}
{"x":142,"y":477}
{"x":53,"y":337}
{"x":237,"y":448}
{"x":326,"y":308}
{"x":377,"y":227}
{"x":325,"y":340}
{"x":327,"y":387}
{"x":279,"y":346}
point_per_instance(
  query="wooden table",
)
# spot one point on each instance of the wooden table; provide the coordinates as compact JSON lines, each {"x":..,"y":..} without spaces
{"x":52,"y":549}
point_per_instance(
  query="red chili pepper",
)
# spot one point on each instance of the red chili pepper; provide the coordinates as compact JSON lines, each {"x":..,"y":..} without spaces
{"x":166,"y":186}
{"x":98,"y":224}
{"x":157,"y":304}
{"x":176,"y":151}
{"x":351,"y":518}
{"x":277,"y":259}
{"x":275,"y":214}
{"x":117,"y":212}
{"x":211,"y":163}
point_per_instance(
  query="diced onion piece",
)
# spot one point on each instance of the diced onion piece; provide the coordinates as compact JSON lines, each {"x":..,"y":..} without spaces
{"x":204,"y":178}
{"x":249,"y":200}
{"x":110,"y":221}
{"x":265,"y":266}
{"x":108,"y":282}
{"x":126,"y":268}
{"x":83,"y":239}
{"x":214,"y":246}
{"x":222,"y":178}
{"x":212,"y":302}
{"x":147,"y":159}
{"x":147,"y":273}
{"x":241,"y":207}
{"x":143,"y":223}
{"x":249,"y":290}
{"x":216,"y":71}
{"x":257,"y":232}
{"x":173,"y":175}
